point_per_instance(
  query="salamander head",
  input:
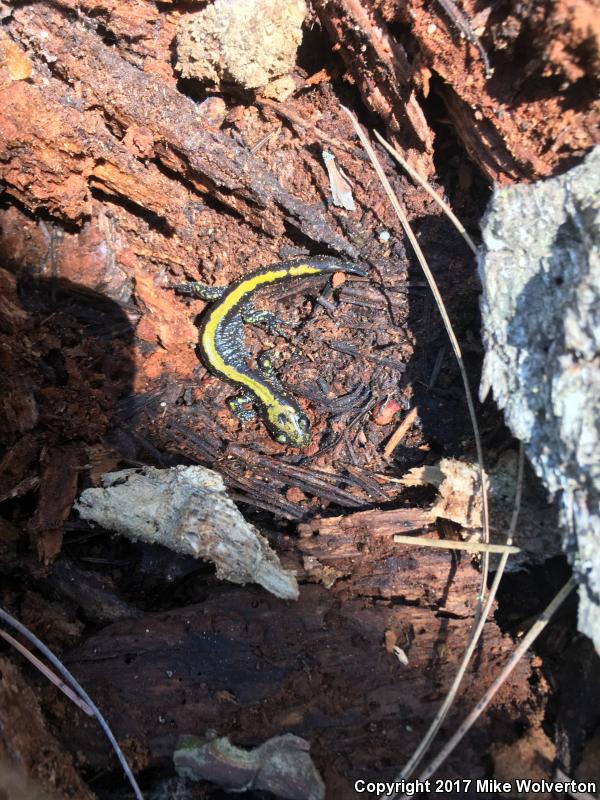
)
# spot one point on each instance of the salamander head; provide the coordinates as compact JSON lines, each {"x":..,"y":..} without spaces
{"x":288,"y":424}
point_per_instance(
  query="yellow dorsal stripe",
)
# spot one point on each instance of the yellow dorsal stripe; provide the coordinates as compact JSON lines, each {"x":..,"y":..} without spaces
{"x":229,"y":302}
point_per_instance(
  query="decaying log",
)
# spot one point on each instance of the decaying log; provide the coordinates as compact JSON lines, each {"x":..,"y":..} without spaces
{"x":116,"y":182}
{"x":509,"y":126}
{"x":380,"y":66}
{"x":356,"y":554}
{"x":249,"y":666}
{"x":129,"y":98}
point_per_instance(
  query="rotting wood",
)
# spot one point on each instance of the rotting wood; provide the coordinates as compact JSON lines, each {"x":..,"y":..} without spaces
{"x":58,"y":488}
{"x":333,"y":681}
{"x":380,"y":66}
{"x":24,"y":736}
{"x":511,"y":131}
{"x":286,"y":113}
{"x":356,"y":555}
{"x":376,"y":523}
{"x":508,"y":123}
{"x":321,"y":484}
{"x":210,"y":160}
{"x":243,"y":660}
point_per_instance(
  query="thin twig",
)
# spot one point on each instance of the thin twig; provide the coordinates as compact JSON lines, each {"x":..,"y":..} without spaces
{"x":47,"y":673}
{"x":76,"y":686}
{"x":297,"y":119}
{"x":398,"y":434}
{"x":464,"y":26}
{"x":479,"y":613}
{"x":433,"y":194}
{"x":474,"y":636}
{"x":451,"y":544}
{"x":535,"y":630}
{"x":401,"y":214}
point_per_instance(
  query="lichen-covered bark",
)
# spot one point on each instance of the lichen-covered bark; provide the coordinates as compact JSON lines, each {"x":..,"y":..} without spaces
{"x":542,"y":336}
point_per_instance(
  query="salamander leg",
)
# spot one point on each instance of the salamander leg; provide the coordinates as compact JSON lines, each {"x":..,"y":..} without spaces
{"x":200,"y":290}
{"x":265,"y":363}
{"x":237,"y":407}
{"x":265,"y":319}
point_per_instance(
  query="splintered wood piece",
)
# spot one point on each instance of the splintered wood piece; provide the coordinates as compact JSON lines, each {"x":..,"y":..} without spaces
{"x":373,"y":523}
{"x":357,"y":555}
{"x":58,"y":488}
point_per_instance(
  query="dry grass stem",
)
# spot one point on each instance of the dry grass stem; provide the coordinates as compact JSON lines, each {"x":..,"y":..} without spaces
{"x":431,"y":192}
{"x":76,"y":686}
{"x":475,"y":632}
{"x":401,"y":214}
{"x":450,"y":544}
{"x":487,"y":698}
{"x":47,"y":673}
{"x":479,"y":616}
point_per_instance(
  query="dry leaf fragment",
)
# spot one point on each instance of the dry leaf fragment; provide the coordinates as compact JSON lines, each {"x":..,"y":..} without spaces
{"x":340,"y":186}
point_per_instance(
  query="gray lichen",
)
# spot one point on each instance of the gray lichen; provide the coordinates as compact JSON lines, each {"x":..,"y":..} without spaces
{"x":540,"y":270}
{"x":282,"y":765}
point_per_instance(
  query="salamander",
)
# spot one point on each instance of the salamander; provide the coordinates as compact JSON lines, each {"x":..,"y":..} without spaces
{"x":223,"y":351}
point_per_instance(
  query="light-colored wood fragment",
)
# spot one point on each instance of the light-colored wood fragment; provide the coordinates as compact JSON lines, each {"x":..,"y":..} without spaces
{"x":187,"y":509}
{"x":400,"y":432}
{"x":451,"y":544}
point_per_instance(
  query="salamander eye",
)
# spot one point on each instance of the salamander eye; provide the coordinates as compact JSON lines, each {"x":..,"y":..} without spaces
{"x":303,"y":423}
{"x":281,"y":419}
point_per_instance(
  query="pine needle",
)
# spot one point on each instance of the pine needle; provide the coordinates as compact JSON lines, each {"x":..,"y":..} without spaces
{"x":401,"y":214}
{"x":433,"y":194}
{"x":76,"y":686}
{"x":489,"y":695}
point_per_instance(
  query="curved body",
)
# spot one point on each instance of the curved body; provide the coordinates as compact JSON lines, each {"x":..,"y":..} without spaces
{"x":224,"y":353}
